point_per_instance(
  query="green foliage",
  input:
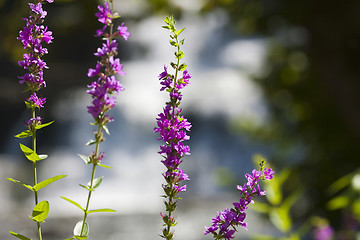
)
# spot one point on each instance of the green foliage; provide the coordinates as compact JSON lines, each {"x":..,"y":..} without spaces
{"x":46,"y":182}
{"x":21,"y":183}
{"x":74,"y":203}
{"x":24,"y":134}
{"x":92,"y":185}
{"x":104,"y":166}
{"x":85,"y":158}
{"x":22,"y":237}
{"x":279,"y":206}
{"x":101,"y":210}
{"x":31,"y":155}
{"x":40,"y":126}
{"x":81,"y":231}
{"x":40,"y":211}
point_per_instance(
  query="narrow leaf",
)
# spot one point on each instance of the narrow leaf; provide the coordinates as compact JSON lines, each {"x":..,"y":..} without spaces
{"x":96,"y":183}
{"x":106,"y":129}
{"x":22,"y":237}
{"x":43,"y":125}
{"x":41,"y":211}
{"x":103,"y":165}
{"x":101,"y":210}
{"x":90,"y":142}
{"x":179,"y":31}
{"x":21,"y":183}
{"x":43,"y":156}
{"x":46,"y":182}
{"x":24,"y":134}
{"x":87,"y":188}
{"x":85,"y":158}
{"x":79,"y":227}
{"x":73,"y":202}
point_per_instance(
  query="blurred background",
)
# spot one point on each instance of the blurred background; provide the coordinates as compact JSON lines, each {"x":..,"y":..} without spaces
{"x":273,"y":78}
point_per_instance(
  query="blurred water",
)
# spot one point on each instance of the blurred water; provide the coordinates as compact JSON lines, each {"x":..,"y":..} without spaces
{"x":220,"y":91}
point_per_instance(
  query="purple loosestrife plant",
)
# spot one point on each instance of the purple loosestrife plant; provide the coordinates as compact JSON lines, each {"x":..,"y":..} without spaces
{"x":225,"y":223}
{"x":172,"y":128}
{"x":33,"y":36}
{"x":103,"y":92}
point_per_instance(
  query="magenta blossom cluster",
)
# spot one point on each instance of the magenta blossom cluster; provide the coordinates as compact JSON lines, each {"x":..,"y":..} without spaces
{"x":172,"y":128}
{"x":225,"y":223}
{"x":103,"y":88}
{"x":33,"y":35}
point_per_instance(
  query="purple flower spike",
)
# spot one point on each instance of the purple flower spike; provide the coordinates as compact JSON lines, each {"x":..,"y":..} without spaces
{"x":32,"y":37}
{"x":173,"y":128}
{"x":107,"y":66}
{"x":226,"y":221}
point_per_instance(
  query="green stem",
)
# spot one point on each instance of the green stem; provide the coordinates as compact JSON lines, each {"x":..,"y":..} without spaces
{"x":35,"y":172}
{"x":91,"y":184}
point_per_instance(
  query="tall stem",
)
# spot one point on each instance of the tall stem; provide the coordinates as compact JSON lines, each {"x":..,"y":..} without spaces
{"x":91,"y":184}
{"x":35,"y":172}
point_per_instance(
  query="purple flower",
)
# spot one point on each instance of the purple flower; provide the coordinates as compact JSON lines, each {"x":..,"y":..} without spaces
{"x":104,"y":14}
{"x":323,"y":233}
{"x":94,"y":72}
{"x":123,"y":31}
{"x":46,"y":36}
{"x":107,"y":48}
{"x":230,"y":218}
{"x":116,"y":66}
{"x":32,"y":122}
{"x":35,"y":101}
{"x":38,"y":9}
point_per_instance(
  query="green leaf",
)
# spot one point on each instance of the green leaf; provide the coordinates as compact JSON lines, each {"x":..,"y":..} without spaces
{"x":85,"y":158}
{"x":101,"y":210}
{"x":22,"y":237}
{"x":24,"y":134}
{"x":30,"y":154}
{"x":182,"y":67}
{"x":77,"y":230}
{"x":95,"y":183}
{"x":340,"y":184}
{"x":281,"y":219}
{"x":80,"y":238}
{"x":338,"y":202}
{"x":166,"y":27}
{"x":90,"y":142}
{"x":43,"y":125}
{"x":356,"y":209}
{"x":46,"y":182}
{"x":41,"y":211}
{"x":87,"y":188}
{"x":180,"y":55}
{"x":106,"y":129}
{"x":21,"y":183}
{"x":73,"y":202}
{"x":260,"y":207}
{"x":173,"y":43}
{"x":292,"y":199}
{"x":177,"y":33}
{"x":103,"y":165}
